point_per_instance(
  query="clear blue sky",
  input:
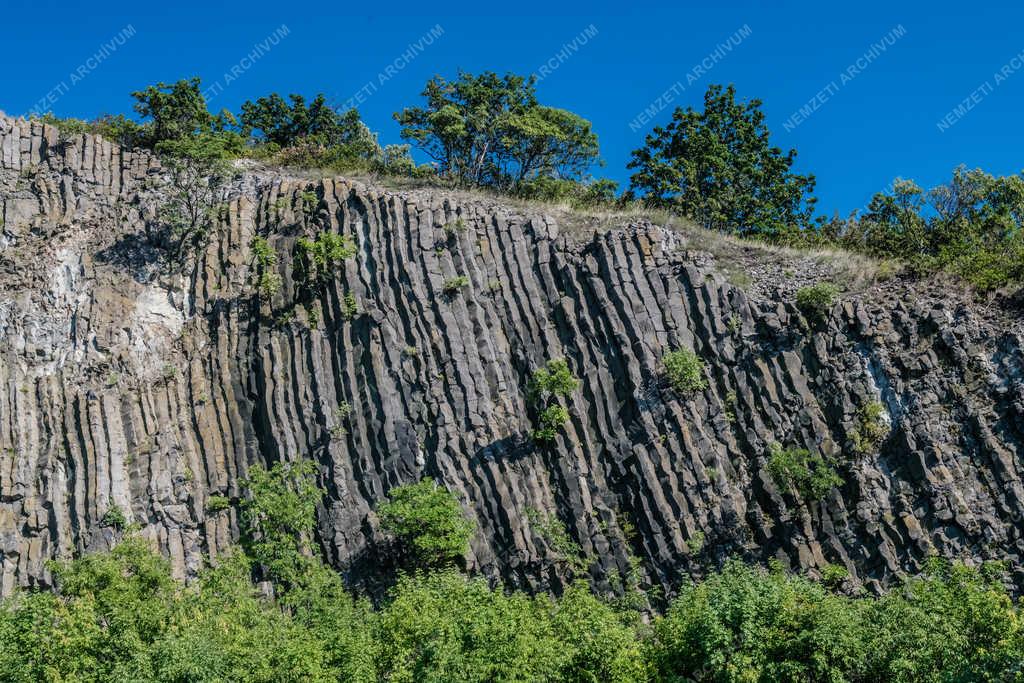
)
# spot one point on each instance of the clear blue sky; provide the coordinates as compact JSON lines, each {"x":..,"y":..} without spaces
{"x":882,"y":122}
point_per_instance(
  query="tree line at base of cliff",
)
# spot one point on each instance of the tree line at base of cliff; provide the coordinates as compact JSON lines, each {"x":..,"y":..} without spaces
{"x":272,"y":610}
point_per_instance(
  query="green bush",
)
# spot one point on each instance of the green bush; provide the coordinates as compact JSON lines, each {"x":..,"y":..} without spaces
{"x":317,"y":258}
{"x":217,"y":503}
{"x":834,"y":574}
{"x":797,"y":468}
{"x":684,"y":371}
{"x":870,"y":429}
{"x":428,"y":520}
{"x":349,"y":306}
{"x":119,"y":616}
{"x":114,"y":517}
{"x":452,"y":286}
{"x":550,"y":421}
{"x":547,"y":384}
{"x":553,"y":380}
{"x":489,"y":130}
{"x":816,"y":301}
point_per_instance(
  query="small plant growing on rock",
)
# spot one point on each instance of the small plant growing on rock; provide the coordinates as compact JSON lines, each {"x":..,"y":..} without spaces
{"x":309,"y":201}
{"x":554,"y":379}
{"x":546,"y":385}
{"x":458,"y":225}
{"x":730,"y":407}
{"x":815,"y":301}
{"x":341,"y":415}
{"x":798,"y":468}
{"x":114,"y":517}
{"x":265,"y":258}
{"x":684,"y":371}
{"x":452,"y":286}
{"x":734,"y":324}
{"x":349,"y":306}
{"x":317,"y":257}
{"x":268,"y":285}
{"x":871,"y":428}
{"x":695,"y":543}
{"x":169,"y":371}
{"x":833,"y":575}
{"x":262,"y":253}
{"x":551,"y":420}
{"x":112,"y":379}
{"x":554,"y":533}
{"x":217,"y":503}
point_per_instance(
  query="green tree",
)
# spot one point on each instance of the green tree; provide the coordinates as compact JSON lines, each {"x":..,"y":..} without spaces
{"x":893,"y":224}
{"x":198,"y":173}
{"x":178,"y":110}
{"x":490,"y":130}
{"x":718,"y":167}
{"x":279,"y":517}
{"x":544,"y":141}
{"x":745,"y":624}
{"x":428,"y":521}
{"x":443,"y":627}
{"x":288,"y":123}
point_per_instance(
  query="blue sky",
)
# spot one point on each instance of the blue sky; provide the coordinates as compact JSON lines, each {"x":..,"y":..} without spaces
{"x":893,"y":114}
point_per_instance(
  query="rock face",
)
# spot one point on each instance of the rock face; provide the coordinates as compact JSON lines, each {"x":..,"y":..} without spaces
{"x":128,"y":386}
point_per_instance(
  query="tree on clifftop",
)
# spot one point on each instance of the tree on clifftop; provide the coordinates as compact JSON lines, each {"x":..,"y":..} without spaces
{"x":718,"y":167}
{"x":490,"y":130}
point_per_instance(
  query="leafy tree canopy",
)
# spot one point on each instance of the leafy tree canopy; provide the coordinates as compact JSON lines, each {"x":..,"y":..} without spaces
{"x":490,"y":130}
{"x":429,"y":521}
{"x":718,"y":166}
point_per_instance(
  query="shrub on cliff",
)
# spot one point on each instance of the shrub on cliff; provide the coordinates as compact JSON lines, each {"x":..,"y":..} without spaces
{"x":547,"y":385}
{"x":816,"y":301}
{"x":279,"y":516}
{"x":798,"y":468}
{"x":428,"y":521}
{"x":870,"y":429}
{"x":684,"y":371}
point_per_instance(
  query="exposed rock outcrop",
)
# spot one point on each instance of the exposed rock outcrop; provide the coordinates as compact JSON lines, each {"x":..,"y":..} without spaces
{"x":126,"y":385}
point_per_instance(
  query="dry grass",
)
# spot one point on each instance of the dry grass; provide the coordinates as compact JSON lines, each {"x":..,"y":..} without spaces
{"x":741,"y":260}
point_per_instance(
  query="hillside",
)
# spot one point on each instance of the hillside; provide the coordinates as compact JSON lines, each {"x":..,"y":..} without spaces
{"x":134,"y":386}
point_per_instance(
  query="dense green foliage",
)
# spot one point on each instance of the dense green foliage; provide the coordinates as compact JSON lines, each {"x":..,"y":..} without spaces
{"x":428,"y":522}
{"x":547,"y":385}
{"x":489,"y":130}
{"x":552,"y":380}
{"x":802,"y":470}
{"x":549,"y":421}
{"x":816,"y":301}
{"x":971,"y":225}
{"x":684,"y":371}
{"x":718,"y":167}
{"x":119,"y":616}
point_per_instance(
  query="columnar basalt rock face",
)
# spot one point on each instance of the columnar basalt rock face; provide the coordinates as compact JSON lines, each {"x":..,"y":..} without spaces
{"x":129,"y":385}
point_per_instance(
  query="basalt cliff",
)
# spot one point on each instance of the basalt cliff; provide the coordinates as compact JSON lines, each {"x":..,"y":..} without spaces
{"x":127,"y":384}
